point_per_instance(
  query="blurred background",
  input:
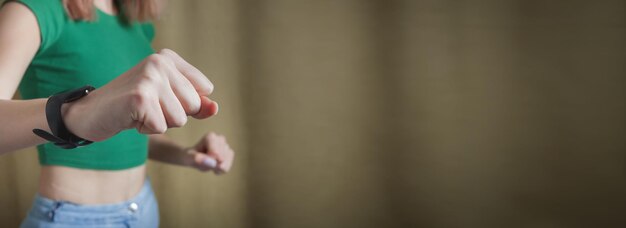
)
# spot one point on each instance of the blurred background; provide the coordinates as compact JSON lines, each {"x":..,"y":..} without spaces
{"x":395,"y":113}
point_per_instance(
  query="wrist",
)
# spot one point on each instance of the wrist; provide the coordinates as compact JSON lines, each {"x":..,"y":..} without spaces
{"x":73,"y":114}
{"x":189,"y":155}
{"x":164,"y":149}
{"x":59,"y":133}
{"x":68,"y":111}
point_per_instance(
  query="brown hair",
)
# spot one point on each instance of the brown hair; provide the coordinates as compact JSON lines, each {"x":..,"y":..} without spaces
{"x":140,"y":10}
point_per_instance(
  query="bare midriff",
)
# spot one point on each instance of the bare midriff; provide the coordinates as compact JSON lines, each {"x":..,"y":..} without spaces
{"x":83,"y":186}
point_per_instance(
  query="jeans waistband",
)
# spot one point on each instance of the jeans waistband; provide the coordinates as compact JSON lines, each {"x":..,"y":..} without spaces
{"x":57,"y":210}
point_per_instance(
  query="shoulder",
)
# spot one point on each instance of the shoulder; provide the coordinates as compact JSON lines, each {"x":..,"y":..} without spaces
{"x":43,"y":8}
{"x":49,"y":14}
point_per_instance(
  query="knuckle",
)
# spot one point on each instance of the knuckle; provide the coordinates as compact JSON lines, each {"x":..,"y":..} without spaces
{"x":166,"y":51}
{"x":157,"y":127}
{"x":159,"y":61}
{"x":139,"y":97}
{"x":161,"y":129}
{"x":152,"y":73}
{"x":193,"y":105}
{"x":209,"y":88}
{"x":204,"y":88}
{"x":151,"y":76}
{"x":179,"y":121}
{"x":155,"y":59}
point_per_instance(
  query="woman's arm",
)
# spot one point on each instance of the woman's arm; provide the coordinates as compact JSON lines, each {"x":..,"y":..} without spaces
{"x":162,"y":148}
{"x":157,"y":94}
{"x":17,"y":119}
{"x":212,"y":152}
{"x":19,"y":41}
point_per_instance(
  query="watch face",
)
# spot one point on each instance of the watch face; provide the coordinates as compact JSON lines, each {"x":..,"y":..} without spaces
{"x":78,"y":93}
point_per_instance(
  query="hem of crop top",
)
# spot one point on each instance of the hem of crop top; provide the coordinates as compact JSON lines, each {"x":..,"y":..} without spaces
{"x":92,"y":166}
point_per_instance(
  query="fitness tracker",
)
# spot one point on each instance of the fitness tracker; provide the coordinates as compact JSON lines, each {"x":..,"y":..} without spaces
{"x":60,"y":135}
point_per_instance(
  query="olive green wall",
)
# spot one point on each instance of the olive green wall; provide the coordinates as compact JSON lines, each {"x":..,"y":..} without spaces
{"x":396,"y":113}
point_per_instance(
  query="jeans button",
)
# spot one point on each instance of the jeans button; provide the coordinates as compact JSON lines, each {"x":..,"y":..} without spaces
{"x":133,"y":207}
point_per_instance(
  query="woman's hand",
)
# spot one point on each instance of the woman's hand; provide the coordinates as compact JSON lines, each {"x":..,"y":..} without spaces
{"x":212,"y":152}
{"x":157,"y":94}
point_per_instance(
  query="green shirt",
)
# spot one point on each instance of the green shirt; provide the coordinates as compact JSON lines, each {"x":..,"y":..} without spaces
{"x":77,"y":53}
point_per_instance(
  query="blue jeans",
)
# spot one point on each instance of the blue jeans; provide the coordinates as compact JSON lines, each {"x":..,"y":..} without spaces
{"x":140,"y":211}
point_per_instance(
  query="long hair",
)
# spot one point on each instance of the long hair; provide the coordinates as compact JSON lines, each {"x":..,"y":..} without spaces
{"x":132,"y":10}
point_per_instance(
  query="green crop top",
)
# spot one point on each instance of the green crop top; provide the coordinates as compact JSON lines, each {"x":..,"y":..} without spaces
{"x":77,"y":53}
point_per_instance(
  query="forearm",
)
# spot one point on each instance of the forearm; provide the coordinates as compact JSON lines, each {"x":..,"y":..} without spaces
{"x":162,"y":148}
{"x":18,"y":119}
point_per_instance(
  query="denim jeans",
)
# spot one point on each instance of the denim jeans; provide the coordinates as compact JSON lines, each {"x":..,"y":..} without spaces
{"x":140,"y":211}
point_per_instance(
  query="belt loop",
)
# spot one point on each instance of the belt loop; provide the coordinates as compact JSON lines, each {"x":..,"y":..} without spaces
{"x":52,"y":212}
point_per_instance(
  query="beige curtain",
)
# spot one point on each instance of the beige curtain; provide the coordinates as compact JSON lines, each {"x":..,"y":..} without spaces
{"x":396,"y":113}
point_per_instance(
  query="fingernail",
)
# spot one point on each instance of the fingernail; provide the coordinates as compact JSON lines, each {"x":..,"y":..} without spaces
{"x":210,"y":162}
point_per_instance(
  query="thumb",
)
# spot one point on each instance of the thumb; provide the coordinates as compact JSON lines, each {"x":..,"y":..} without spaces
{"x":204,"y":162}
{"x":207,"y":108}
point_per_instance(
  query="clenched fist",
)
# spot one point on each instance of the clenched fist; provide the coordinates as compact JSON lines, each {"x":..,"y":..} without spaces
{"x":158,"y":93}
{"x":212,"y":152}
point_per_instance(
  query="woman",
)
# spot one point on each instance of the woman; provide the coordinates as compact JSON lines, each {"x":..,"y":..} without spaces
{"x":50,"y":46}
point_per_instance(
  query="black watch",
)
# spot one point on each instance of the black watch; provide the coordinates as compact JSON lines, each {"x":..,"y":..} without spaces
{"x":60,"y":136}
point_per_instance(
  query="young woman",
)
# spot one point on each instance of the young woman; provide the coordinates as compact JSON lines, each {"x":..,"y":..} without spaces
{"x":50,"y":46}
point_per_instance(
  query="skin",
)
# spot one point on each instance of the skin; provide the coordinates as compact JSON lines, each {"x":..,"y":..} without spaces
{"x":157,"y":94}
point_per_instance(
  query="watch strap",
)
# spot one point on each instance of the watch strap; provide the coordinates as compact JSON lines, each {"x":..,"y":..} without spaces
{"x":59,"y":134}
